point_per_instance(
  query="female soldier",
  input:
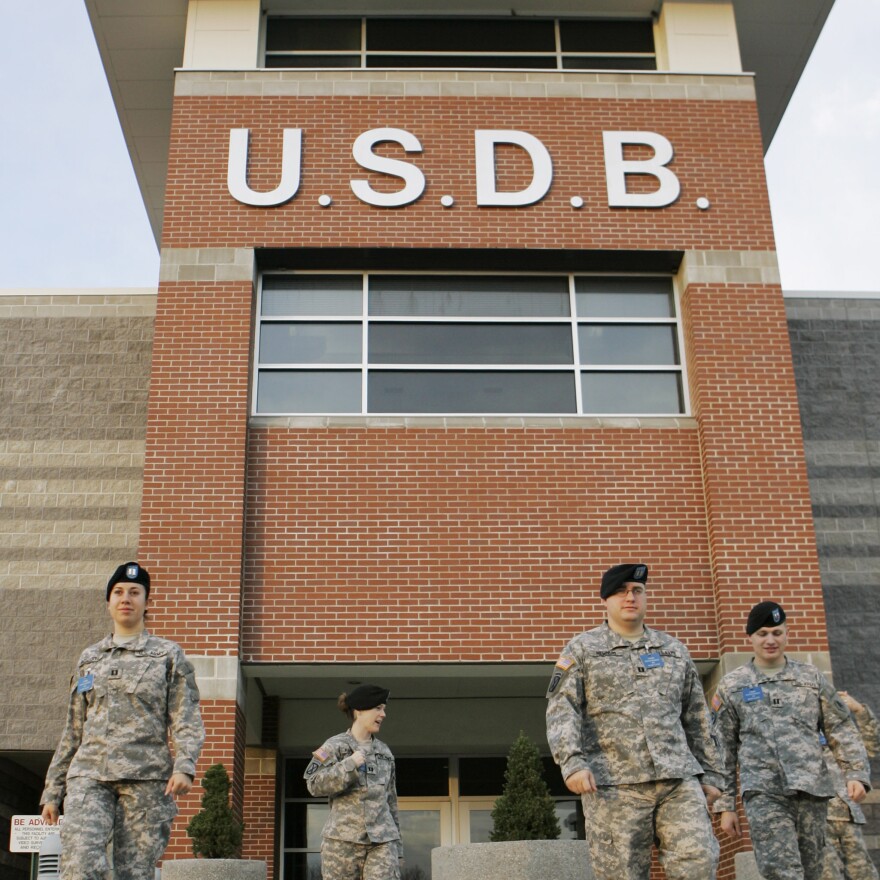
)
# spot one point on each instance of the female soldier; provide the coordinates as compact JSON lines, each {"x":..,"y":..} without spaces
{"x":112,"y":768}
{"x":356,"y":770}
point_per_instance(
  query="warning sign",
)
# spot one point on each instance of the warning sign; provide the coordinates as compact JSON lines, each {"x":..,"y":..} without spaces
{"x":26,"y":833}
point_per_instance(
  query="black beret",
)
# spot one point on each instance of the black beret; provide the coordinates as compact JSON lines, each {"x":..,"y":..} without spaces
{"x":764,"y":614}
{"x":367,"y":696}
{"x":618,"y":575}
{"x":132,"y":573}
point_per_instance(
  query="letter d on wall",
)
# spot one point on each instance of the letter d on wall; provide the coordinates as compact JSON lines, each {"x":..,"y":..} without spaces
{"x":542,"y":168}
{"x":617,"y":168}
{"x":236,"y":174}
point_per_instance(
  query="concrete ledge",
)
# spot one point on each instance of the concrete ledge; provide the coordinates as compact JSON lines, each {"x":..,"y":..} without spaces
{"x":514,"y":860}
{"x":213,"y":869}
{"x":746,"y":866}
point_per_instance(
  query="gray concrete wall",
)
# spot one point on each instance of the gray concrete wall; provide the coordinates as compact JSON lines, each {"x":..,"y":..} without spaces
{"x":74,"y":377}
{"x":836,"y":349}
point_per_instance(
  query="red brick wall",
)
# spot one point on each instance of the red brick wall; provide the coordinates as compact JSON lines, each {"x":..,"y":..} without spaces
{"x":465,"y":544}
{"x":757,"y":494}
{"x":718,"y":154}
{"x":192,"y":515}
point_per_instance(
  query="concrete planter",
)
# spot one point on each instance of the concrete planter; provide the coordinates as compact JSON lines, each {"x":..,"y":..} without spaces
{"x":513,"y":860}
{"x":213,"y":869}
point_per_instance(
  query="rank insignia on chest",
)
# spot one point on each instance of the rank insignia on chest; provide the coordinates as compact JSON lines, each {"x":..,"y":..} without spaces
{"x":114,"y":673}
{"x":776,"y":702}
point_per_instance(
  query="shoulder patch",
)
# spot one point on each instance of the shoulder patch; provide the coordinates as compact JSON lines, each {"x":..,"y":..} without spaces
{"x":322,"y":756}
{"x":565,"y":663}
{"x":717,"y":702}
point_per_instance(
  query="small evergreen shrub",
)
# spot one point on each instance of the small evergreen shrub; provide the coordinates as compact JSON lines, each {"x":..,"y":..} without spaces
{"x":525,"y":810}
{"x":214,"y":830}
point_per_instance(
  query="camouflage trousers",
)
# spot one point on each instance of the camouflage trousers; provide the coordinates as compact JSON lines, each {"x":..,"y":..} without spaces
{"x":341,"y":860}
{"x":846,"y":855}
{"x":134,"y":816}
{"x":623,"y":822}
{"x":788,"y":834}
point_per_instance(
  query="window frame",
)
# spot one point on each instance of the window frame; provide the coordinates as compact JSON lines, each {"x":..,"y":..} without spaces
{"x":363,"y":54}
{"x":572,"y":320}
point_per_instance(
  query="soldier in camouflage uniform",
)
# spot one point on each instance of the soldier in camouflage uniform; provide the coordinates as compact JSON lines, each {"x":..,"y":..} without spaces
{"x":846,"y":854}
{"x":767,"y":719}
{"x":628,"y":724}
{"x":113,"y":769}
{"x":361,"y":839}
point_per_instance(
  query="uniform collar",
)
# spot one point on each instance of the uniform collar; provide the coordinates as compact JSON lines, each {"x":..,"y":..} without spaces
{"x":107,"y":644}
{"x":615,"y":640}
{"x":783,"y":673}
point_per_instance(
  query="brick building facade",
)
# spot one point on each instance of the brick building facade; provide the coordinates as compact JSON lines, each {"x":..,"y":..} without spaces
{"x":303,"y":540}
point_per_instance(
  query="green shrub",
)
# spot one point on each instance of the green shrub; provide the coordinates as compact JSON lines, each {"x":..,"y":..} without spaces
{"x":525,"y":810}
{"x":214,"y":830}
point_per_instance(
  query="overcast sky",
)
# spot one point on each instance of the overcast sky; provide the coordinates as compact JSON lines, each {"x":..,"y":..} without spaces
{"x":72,"y":216}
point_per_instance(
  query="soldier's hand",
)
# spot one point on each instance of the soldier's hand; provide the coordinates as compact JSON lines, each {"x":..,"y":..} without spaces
{"x":359,"y":759}
{"x":50,"y":814}
{"x":179,"y":783}
{"x":712,"y":793}
{"x":856,"y":790}
{"x":581,"y":782}
{"x":730,"y":824}
{"x":851,"y":703}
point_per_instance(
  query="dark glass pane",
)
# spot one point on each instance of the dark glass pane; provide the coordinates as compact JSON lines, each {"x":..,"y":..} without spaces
{"x":460,"y":35}
{"x":631,"y":62}
{"x":294,"y":783}
{"x":284,"y":392}
{"x":284,"y":33}
{"x":307,"y":61}
{"x":626,"y":344}
{"x":553,"y":777}
{"x":422,"y":777}
{"x":481,"y":776}
{"x":606,"y":35}
{"x":470,"y":344}
{"x":499,"y":62}
{"x":302,"y":866}
{"x":312,"y":343}
{"x":303,"y":823}
{"x":469,"y":297}
{"x":570,"y":815}
{"x":460,"y":391}
{"x":632,"y":393}
{"x":624,"y":298}
{"x":312,"y":295}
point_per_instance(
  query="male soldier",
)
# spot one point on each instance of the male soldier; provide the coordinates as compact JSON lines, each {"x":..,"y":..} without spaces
{"x":768,"y":715}
{"x":846,"y":854}
{"x":628,"y":725}
{"x":113,"y":768}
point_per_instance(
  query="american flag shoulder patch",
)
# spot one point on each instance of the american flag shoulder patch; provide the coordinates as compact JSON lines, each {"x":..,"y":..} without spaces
{"x":565,"y":663}
{"x":321,"y":755}
{"x":717,"y":703}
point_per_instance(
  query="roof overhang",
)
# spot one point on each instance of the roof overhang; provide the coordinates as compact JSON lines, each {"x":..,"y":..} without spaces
{"x":141,"y":45}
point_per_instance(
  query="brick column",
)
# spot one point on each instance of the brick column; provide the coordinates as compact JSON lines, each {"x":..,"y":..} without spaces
{"x":193,"y":504}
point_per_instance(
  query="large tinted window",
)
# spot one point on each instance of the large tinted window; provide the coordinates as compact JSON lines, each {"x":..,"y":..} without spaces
{"x":460,"y":42}
{"x":467,"y":345}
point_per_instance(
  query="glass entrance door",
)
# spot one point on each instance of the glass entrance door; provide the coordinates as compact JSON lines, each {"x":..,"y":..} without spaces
{"x":423,"y":825}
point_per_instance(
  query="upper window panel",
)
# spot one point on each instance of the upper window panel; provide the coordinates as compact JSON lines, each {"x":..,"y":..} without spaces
{"x":533,"y":43}
{"x":468,"y":344}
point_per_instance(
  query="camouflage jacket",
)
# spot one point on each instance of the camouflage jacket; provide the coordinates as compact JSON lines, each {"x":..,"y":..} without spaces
{"x":363,"y":800}
{"x":629,"y":711}
{"x":125,"y":700}
{"x":768,"y":724}
{"x":842,"y":808}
